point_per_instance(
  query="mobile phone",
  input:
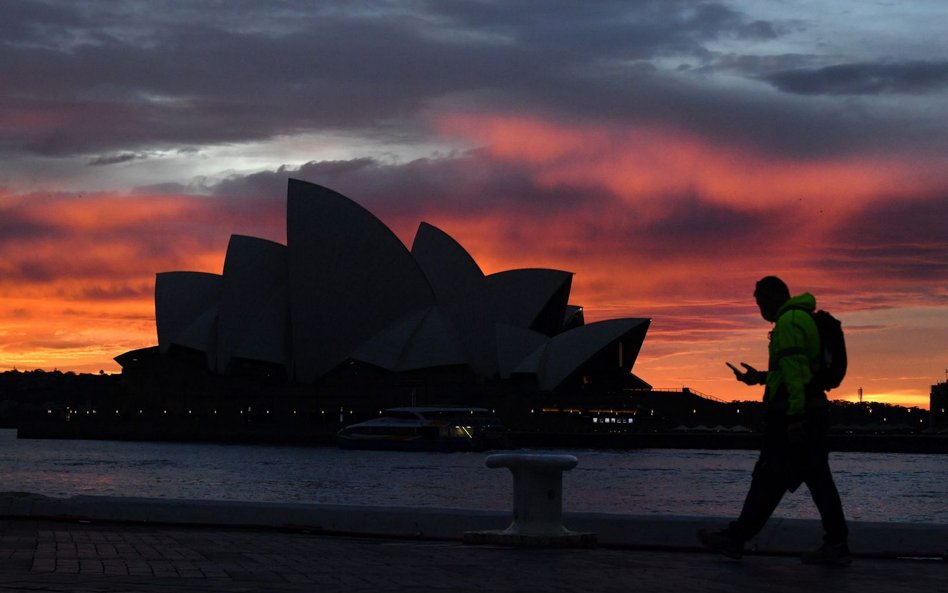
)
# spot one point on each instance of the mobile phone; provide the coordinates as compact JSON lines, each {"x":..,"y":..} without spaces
{"x":734,"y":368}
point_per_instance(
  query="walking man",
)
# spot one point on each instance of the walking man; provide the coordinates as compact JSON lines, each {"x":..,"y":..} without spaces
{"x":796,"y":423}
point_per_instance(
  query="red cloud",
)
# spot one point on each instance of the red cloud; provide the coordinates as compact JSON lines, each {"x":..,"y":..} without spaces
{"x":642,"y":164}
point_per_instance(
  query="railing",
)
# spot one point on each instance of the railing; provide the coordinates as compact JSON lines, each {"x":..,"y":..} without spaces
{"x":682,"y":390}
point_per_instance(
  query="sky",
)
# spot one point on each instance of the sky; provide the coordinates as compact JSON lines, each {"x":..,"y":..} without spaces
{"x":669,"y":153}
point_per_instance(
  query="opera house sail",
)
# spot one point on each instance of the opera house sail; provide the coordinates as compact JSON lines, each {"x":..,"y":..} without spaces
{"x":346,"y":306}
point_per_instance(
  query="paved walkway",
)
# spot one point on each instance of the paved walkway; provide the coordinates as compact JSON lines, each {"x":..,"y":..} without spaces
{"x":48,"y":555}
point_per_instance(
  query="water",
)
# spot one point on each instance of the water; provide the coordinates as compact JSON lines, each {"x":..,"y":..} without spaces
{"x":873,"y":486}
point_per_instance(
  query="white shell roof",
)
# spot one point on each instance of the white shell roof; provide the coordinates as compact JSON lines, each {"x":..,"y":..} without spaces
{"x":186,"y":308}
{"x":514,"y":345}
{"x":350,"y":277}
{"x":421,"y":340}
{"x":450,"y":269}
{"x":558,"y":358}
{"x":520,"y":298}
{"x":253,"y":305}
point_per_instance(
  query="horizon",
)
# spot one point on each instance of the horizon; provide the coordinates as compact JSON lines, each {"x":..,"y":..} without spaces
{"x":687,"y":389}
{"x":669,"y":153}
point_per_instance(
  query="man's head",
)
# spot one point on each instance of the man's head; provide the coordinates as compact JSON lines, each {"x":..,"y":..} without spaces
{"x":771,"y":293}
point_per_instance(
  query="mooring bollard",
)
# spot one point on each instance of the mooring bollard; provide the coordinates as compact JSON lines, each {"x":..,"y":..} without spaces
{"x":537,"y":502}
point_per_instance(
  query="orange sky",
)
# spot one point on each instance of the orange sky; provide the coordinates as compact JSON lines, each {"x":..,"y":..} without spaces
{"x":77,"y":280}
{"x":668,"y":153}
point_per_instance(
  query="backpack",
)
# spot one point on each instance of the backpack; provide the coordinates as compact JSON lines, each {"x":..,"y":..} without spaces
{"x":833,"y":345}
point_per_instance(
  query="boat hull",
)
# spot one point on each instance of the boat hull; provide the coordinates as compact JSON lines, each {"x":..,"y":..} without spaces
{"x":441,"y":444}
{"x":425,"y":429}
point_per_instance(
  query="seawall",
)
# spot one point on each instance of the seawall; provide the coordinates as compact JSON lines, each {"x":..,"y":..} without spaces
{"x":780,"y":536}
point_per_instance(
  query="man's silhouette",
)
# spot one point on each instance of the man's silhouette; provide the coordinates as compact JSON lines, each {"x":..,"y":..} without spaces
{"x":796,"y":423}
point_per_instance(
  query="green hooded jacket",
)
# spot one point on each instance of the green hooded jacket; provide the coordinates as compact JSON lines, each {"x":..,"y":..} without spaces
{"x":794,"y":354}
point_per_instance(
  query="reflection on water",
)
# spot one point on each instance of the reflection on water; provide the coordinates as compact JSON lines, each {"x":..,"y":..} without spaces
{"x":874,"y":486}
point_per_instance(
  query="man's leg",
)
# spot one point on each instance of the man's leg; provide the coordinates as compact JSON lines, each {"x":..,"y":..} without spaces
{"x":819,"y":479}
{"x":768,"y":484}
{"x":826,"y":496}
{"x":766,"y":490}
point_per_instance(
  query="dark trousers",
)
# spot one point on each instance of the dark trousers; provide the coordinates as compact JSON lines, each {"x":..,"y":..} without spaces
{"x":784,"y":463}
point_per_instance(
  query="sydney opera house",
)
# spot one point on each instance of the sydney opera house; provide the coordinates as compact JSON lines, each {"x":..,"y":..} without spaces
{"x":346,"y":310}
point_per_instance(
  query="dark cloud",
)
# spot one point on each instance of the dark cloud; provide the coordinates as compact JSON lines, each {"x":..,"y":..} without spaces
{"x":32,"y":270}
{"x":900,"y":222}
{"x":166,"y":189}
{"x":466,"y":183}
{"x":864,"y":79}
{"x":115,"y":159}
{"x":113,"y":292}
{"x":704,"y":230}
{"x":273,"y":183}
{"x":901,"y":240}
{"x":583,"y":33}
{"x":17,"y":226}
{"x":24,"y":20}
{"x":85,"y":77}
{"x":923,"y":263}
{"x":758,"y":30}
{"x":760,"y":66}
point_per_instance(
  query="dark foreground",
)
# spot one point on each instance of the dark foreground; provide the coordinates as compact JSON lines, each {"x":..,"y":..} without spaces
{"x":47,"y":555}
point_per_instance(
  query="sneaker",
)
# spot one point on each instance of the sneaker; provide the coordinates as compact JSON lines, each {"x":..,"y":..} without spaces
{"x":829,"y":554}
{"x":722,"y":542}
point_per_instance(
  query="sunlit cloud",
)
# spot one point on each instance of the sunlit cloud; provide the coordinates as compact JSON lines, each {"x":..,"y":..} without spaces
{"x":643,"y":164}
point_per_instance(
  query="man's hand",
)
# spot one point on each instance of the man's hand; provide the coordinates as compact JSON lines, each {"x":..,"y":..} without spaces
{"x":750,"y":375}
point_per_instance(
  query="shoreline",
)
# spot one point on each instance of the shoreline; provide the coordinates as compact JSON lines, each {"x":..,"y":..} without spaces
{"x":248,"y":433}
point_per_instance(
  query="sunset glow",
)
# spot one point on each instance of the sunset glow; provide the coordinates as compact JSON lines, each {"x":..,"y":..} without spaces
{"x":637,"y":164}
{"x":668,"y":168}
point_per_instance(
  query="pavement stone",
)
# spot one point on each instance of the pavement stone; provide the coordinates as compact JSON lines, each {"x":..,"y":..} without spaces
{"x":68,"y":556}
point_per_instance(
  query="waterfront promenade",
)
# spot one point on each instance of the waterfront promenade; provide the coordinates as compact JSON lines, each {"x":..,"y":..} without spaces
{"x":100,"y":544}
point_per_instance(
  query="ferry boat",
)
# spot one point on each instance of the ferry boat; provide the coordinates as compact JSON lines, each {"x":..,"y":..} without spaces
{"x":426,"y":429}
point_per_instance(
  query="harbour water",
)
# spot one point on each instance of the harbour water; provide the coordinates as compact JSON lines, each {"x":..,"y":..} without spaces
{"x":873,"y":486}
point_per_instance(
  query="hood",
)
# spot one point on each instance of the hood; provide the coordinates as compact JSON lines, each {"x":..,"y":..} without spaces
{"x":804,"y":301}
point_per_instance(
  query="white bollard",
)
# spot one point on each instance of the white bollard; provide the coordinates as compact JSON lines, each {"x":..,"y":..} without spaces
{"x":537,"y":502}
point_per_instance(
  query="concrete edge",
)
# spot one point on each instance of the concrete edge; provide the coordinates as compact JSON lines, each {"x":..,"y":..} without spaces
{"x":780,"y":536}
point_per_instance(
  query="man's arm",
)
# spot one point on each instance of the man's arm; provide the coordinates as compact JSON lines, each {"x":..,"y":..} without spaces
{"x":750,"y":375}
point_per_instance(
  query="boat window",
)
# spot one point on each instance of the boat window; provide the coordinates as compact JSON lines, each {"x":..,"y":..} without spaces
{"x":476,"y":418}
{"x":401,"y":415}
{"x":382,"y":430}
